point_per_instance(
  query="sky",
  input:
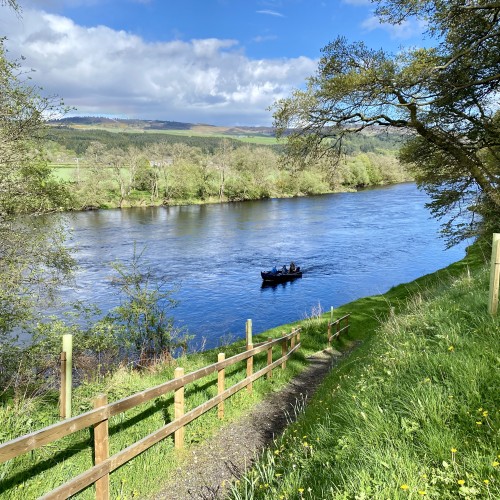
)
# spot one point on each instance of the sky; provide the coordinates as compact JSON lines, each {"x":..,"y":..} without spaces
{"x":219,"y":62}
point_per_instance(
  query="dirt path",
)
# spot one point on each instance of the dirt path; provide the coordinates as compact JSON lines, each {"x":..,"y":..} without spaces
{"x":213,"y":464}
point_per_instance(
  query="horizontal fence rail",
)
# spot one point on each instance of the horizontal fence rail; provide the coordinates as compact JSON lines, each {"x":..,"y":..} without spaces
{"x":98,"y":417}
{"x":338,"y":326}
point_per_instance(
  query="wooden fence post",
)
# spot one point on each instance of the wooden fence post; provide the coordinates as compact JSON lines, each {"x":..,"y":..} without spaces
{"x":179,"y":410}
{"x":284,"y":348}
{"x":221,"y":374}
{"x":331,"y":314}
{"x":101,"y":449}
{"x":62,"y":397}
{"x":248,"y":330}
{"x":292,"y":340}
{"x":68,"y":349}
{"x":494,"y":275}
{"x":250,"y":368}
{"x":269,"y":357}
{"x":329,"y":334}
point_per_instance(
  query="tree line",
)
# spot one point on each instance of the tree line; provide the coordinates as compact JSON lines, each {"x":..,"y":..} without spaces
{"x":114,"y":169}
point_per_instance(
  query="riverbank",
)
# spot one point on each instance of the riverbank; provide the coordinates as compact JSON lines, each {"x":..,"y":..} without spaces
{"x":139,"y":202}
{"x":414,"y":412}
{"x":25,"y":415}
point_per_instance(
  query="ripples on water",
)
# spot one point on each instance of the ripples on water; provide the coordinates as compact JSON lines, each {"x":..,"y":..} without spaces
{"x":349,"y":245}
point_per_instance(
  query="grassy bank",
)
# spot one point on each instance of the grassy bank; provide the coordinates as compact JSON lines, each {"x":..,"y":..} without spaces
{"x":415,"y":412}
{"x":358,"y":417}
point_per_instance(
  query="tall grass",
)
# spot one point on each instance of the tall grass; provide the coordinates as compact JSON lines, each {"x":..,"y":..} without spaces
{"x":414,"y":414}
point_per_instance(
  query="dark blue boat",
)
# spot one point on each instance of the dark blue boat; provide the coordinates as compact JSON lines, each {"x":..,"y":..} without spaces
{"x":280,"y":276}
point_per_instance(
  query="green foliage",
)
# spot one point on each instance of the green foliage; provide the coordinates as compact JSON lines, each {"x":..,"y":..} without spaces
{"x":444,"y":95}
{"x":141,"y":320}
{"x":33,"y":259}
{"x":129,"y":171}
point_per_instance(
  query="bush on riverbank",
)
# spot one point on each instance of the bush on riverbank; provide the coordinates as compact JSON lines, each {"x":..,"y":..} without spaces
{"x":415,"y":413}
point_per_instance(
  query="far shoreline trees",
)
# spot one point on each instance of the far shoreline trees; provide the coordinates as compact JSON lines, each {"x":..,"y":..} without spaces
{"x":127,"y":169}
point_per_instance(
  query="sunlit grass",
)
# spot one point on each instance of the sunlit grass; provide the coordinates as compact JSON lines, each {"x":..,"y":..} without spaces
{"x":415,"y":413}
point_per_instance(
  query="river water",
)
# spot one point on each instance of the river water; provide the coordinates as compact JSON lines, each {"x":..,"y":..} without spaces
{"x":349,"y":245}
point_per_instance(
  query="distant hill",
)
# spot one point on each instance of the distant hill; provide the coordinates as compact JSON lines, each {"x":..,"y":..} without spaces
{"x":125,"y":125}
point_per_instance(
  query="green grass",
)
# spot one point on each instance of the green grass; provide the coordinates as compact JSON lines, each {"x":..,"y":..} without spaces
{"x":413,"y":413}
{"x":367,"y":431}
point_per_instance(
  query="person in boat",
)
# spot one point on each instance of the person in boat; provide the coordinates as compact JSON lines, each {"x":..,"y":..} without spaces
{"x":284,"y":270}
{"x":274,"y":270}
{"x":292,"y":267}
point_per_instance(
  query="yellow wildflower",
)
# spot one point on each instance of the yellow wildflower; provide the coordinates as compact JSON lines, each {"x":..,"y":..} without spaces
{"x":461,"y":482}
{"x":451,"y":348}
{"x":422,"y":492}
{"x":495,"y":464}
{"x":453,"y":450}
{"x":404,"y":486}
{"x":486,"y":482}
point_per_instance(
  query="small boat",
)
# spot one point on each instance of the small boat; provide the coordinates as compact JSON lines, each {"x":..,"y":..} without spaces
{"x":280,"y":276}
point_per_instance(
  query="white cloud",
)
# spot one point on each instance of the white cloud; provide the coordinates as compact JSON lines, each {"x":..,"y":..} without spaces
{"x":264,"y":38}
{"x":270,"y":13}
{"x":406,"y":29}
{"x":103,"y":71}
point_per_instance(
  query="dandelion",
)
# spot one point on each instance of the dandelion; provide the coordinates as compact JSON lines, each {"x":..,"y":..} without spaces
{"x":301,"y":490}
{"x":451,"y":348}
{"x":453,"y":450}
{"x":495,"y":464}
{"x":479,"y":423}
{"x":461,"y":482}
{"x":486,"y":482}
{"x":276,"y":452}
{"x":422,"y":492}
{"x":485,"y":413}
{"x":404,"y":486}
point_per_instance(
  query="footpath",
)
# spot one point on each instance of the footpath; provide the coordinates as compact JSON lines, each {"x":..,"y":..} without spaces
{"x":209,"y":468}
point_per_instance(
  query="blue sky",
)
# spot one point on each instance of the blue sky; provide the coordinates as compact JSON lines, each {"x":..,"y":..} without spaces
{"x":222,"y":62}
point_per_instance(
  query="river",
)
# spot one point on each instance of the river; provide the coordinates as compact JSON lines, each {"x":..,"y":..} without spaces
{"x":349,"y":245}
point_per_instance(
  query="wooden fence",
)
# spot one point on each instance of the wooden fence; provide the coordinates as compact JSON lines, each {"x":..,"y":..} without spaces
{"x":338,"y":326}
{"x":98,"y":418}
